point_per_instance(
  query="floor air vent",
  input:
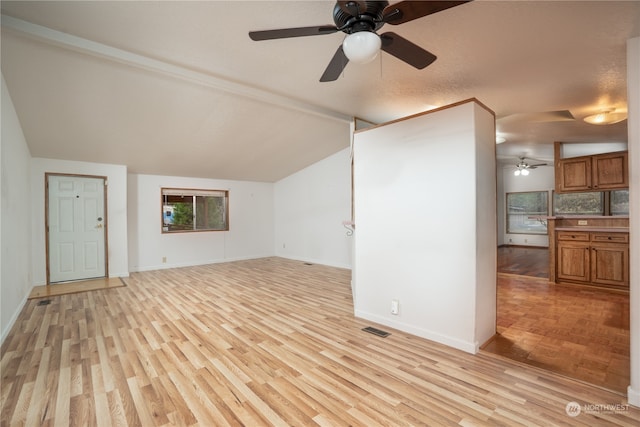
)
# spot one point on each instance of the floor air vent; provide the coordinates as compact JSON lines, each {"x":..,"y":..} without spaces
{"x":44,"y":302}
{"x":377,"y":332}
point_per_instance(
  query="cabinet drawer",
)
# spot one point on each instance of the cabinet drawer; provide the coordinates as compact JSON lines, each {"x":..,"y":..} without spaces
{"x":610,"y":237}
{"x":576,"y":236}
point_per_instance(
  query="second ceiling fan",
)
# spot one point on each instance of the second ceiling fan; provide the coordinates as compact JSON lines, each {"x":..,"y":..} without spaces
{"x":360,"y":20}
{"x":522,"y":167}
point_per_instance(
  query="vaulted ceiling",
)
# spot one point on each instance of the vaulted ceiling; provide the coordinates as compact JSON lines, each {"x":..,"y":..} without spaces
{"x":178,"y":88}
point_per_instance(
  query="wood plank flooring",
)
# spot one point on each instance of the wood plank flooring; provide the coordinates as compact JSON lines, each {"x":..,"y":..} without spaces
{"x":268,"y":342}
{"x":581,"y":332}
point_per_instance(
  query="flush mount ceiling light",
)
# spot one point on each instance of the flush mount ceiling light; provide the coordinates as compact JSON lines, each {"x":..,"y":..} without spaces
{"x":361,"y":47}
{"x":606,"y":117}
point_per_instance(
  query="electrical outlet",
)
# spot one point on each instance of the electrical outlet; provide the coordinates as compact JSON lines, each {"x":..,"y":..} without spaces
{"x":582,"y":222}
{"x":164,"y":259}
{"x":395,"y":306}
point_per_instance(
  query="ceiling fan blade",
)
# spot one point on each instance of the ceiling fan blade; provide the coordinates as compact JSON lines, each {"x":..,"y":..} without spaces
{"x":406,"y":51}
{"x":406,"y":11}
{"x":335,"y":67}
{"x":535,"y":166}
{"x":285,"y":33}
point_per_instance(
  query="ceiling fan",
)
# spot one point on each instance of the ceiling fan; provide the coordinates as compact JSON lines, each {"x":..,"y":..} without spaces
{"x":360,"y":20}
{"x":522,"y":167}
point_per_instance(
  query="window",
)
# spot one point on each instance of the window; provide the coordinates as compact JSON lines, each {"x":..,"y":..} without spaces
{"x":524,"y":212}
{"x":591,"y":203}
{"x":619,"y":202}
{"x":194,"y":210}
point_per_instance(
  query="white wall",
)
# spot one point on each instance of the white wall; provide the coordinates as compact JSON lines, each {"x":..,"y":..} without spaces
{"x":15,"y":225}
{"x":540,"y":179}
{"x":426,"y":231}
{"x":116,"y":211}
{"x":633,"y":99}
{"x":250,"y":232}
{"x":310,"y":207}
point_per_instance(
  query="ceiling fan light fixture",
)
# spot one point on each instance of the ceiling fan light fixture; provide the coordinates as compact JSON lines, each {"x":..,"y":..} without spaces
{"x":516,"y":172}
{"x":524,"y":172}
{"x":361,"y":47}
{"x":607,"y":117}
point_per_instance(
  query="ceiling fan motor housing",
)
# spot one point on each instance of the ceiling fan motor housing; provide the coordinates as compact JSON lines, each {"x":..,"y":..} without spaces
{"x":350,"y":17}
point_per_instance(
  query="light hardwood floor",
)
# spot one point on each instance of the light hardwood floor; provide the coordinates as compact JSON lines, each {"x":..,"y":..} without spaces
{"x":261,"y":342}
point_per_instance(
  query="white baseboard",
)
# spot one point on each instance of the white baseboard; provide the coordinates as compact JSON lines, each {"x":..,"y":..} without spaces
{"x":14,"y":318}
{"x":469,"y":347}
{"x":633,"y":397}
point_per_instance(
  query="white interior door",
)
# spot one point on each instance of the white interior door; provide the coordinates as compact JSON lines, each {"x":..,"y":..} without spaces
{"x":76,"y":221}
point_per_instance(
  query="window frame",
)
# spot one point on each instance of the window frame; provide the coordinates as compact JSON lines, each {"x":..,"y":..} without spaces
{"x":194,"y":194}
{"x":532,"y":215}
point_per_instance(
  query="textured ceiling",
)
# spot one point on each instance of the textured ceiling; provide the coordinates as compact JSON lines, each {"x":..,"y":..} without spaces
{"x":178,"y":88}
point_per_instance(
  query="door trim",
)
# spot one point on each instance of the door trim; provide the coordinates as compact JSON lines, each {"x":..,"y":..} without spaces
{"x":46,"y":218}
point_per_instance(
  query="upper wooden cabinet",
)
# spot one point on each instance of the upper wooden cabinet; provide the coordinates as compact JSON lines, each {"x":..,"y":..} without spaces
{"x":593,"y":173}
{"x":610,"y":171}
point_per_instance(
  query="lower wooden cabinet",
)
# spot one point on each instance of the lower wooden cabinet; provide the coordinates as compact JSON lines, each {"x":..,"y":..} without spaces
{"x":573,"y":262}
{"x":610,"y":264}
{"x":593,"y":258}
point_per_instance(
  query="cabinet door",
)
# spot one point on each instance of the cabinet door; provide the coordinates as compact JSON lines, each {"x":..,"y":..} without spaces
{"x":574,"y":174}
{"x":610,"y":264}
{"x":610,"y":171}
{"x":573,"y":261}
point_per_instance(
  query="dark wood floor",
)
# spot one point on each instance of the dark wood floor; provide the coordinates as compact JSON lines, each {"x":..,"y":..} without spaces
{"x":523,"y":261}
{"x":579,"y":332}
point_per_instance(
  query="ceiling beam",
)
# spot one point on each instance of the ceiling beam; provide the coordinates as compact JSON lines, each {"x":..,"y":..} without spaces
{"x":88,"y":47}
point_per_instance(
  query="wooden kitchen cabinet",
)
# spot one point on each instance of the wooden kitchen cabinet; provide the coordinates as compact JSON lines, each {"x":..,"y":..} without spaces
{"x":593,"y":173}
{"x":573,"y":174}
{"x":596,"y":258}
{"x":610,"y":264}
{"x":610,"y":171}
{"x":573,"y":261}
